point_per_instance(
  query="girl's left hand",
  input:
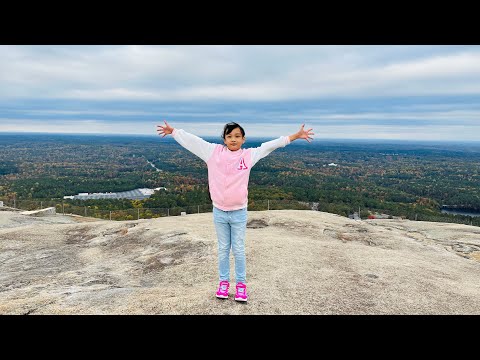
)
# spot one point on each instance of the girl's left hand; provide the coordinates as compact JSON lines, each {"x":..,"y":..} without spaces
{"x":164,"y":130}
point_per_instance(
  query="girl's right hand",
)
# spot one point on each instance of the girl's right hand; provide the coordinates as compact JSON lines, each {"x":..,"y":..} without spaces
{"x":165,"y":130}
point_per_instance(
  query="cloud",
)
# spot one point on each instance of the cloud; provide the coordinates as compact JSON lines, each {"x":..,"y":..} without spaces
{"x":269,"y":129}
{"x":240,"y":73}
{"x":374,"y":91}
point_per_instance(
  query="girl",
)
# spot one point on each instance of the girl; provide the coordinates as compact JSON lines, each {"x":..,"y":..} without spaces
{"x":229,"y":169}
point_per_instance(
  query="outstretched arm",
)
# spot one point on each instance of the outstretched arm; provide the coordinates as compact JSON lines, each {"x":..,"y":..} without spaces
{"x":302,"y":134}
{"x":267,"y":147}
{"x":192,"y":143}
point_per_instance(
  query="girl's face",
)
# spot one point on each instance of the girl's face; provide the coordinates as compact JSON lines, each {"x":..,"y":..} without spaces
{"x":234,"y":140}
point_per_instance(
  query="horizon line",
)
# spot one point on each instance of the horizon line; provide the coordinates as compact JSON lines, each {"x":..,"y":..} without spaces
{"x":210,"y":136}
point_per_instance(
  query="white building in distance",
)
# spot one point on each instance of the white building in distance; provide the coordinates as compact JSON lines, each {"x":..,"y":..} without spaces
{"x":137,"y":194}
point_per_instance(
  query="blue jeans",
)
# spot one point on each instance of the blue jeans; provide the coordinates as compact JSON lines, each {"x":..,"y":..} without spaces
{"x":230,"y":227}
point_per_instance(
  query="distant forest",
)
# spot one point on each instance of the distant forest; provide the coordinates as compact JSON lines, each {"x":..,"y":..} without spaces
{"x":396,"y":178}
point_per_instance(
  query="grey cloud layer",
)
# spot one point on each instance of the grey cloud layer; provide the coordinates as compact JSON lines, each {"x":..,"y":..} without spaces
{"x":263,"y":73}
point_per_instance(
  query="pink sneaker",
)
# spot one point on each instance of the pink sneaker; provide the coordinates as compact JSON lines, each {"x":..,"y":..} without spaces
{"x":241,"y":294}
{"x":222,"y":292}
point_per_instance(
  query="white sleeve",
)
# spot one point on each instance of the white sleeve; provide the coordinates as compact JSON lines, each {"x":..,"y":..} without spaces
{"x":267,"y":147}
{"x":194,"y":144}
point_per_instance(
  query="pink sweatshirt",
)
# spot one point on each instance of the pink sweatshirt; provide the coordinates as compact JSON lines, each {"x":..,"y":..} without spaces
{"x":228,"y":171}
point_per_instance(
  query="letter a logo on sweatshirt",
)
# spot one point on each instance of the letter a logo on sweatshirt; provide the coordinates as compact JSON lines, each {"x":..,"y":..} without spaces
{"x":242,"y":165}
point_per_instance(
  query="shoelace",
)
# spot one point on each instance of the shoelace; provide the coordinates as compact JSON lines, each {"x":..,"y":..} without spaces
{"x":224,"y":287}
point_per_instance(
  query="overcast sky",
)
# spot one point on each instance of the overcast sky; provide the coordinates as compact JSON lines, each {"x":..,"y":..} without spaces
{"x":342,"y":92}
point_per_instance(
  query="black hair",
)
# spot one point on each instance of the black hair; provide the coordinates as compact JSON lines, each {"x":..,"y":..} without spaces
{"x":229,"y":128}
